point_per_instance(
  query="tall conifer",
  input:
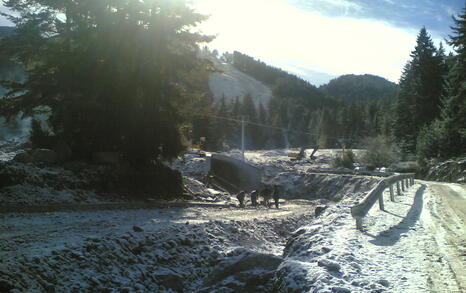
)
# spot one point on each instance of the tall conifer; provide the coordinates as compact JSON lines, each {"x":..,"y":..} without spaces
{"x":421,"y":88}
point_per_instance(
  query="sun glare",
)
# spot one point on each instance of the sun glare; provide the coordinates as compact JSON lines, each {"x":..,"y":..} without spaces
{"x":274,"y":30}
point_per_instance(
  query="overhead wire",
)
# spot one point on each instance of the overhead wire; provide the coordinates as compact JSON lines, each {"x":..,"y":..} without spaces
{"x":263,"y":125}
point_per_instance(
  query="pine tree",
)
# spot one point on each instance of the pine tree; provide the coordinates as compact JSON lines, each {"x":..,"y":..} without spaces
{"x":446,"y":137}
{"x":253,"y":131}
{"x":264,"y":132}
{"x":421,"y":88}
{"x":453,"y":114}
{"x":107,"y":70}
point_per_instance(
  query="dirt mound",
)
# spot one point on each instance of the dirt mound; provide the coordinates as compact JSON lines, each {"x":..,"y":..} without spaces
{"x":184,"y":258}
{"x":306,"y":185}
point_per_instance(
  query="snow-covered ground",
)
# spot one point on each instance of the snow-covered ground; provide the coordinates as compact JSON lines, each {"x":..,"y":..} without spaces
{"x":416,"y":245}
{"x":410,"y":247}
{"x":231,"y":83}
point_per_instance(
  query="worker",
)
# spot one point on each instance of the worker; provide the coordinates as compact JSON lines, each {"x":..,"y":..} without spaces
{"x":254,"y":196}
{"x":240,"y":196}
{"x":266,"y":193}
{"x":276,"y":195}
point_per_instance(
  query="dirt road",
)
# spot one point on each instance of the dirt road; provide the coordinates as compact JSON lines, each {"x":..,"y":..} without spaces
{"x":447,"y":214}
{"x":422,"y":238}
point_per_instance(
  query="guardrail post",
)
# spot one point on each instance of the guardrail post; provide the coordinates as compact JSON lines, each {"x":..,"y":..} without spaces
{"x":392,"y":195}
{"x":381,"y":205}
{"x":398,"y":192}
{"x":408,"y":182}
{"x":359,"y":223}
{"x":412,"y":180}
{"x":402,"y":185}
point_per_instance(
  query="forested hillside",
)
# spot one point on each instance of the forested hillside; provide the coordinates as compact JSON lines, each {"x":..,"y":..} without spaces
{"x":360,"y":87}
{"x":300,"y":114}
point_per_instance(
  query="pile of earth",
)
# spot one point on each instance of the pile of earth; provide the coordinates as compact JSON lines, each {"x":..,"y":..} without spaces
{"x":208,"y":257}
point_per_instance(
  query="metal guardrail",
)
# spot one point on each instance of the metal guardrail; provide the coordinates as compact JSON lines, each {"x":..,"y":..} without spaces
{"x":402,"y":181}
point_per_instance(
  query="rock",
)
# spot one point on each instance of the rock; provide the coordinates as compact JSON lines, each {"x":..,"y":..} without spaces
{"x":137,"y":229}
{"x":170,"y":280}
{"x":243,"y":262}
{"x":384,"y":283}
{"x":44,"y":156}
{"x":329,"y":265}
{"x":319,"y":210}
{"x":23,"y":158}
{"x":111,"y":158}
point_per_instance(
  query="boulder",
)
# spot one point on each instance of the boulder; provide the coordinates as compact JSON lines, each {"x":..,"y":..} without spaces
{"x":169,"y":279}
{"x":23,"y":157}
{"x":329,"y":265}
{"x":137,"y":229}
{"x":44,"y":156}
{"x":112,"y":158}
{"x":319,"y":210}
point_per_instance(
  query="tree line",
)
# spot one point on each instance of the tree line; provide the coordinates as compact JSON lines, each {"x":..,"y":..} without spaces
{"x":300,"y":114}
{"x":430,"y":112}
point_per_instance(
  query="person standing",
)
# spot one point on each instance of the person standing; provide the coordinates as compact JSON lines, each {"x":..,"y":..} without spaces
{"x":276,"y":195}
{"x":254,"y":196}
{"x":240,"y":196}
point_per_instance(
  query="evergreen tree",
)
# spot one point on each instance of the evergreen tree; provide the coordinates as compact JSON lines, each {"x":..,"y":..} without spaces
{"x":264,"y":132}
{"x":107,"y":69}
{"x":253,"y":131}
{"x":454,"y":105}
{"x":421,"y":88}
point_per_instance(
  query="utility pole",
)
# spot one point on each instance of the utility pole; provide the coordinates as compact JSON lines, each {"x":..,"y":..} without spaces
{"x":242,"y":136}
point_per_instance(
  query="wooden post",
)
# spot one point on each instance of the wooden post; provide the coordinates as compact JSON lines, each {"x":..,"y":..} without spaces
{"x":398,"y":192}
{"x":392,"y":195}
{"x":381,"y":206}
{"x":359,"y":223}
{"x":408,"y":182}
{"x":412,"y":180}
{"x":402,"y":185}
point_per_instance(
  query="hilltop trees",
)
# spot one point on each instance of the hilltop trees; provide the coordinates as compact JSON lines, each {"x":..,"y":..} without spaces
{"x":421,"y":86}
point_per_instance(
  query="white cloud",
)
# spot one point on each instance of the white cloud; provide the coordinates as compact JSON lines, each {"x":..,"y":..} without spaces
{"x":272,"y":30}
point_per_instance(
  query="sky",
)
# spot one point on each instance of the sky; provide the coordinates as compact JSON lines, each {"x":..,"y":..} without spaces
{"x":321,"y":39}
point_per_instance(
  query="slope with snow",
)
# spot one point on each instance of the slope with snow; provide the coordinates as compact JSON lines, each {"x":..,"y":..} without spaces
{"x":232,"y":83}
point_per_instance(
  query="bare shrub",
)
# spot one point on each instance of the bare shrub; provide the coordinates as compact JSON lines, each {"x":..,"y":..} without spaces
{"x":379,"y":152}
{"x":344,"y":159}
